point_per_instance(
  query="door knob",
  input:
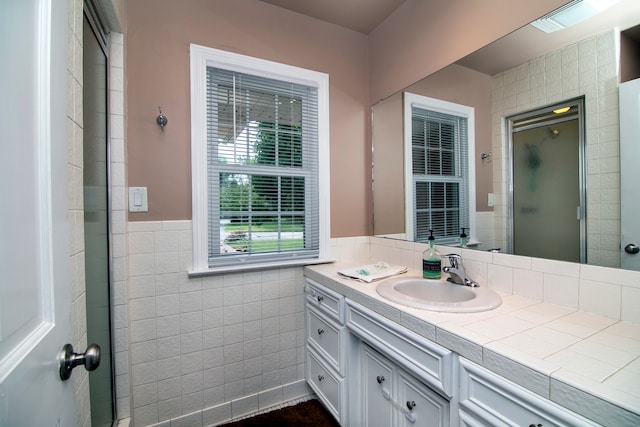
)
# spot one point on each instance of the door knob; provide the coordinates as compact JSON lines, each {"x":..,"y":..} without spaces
{"x":69,"y":360}
{"x":632,"y":249}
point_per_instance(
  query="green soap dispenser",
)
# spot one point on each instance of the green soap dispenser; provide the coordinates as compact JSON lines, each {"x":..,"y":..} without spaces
{"x":431,"y":261}
{"x":463,"y":238}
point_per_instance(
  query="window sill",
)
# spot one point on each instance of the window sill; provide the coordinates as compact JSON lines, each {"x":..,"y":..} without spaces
{"x":257,"y":266}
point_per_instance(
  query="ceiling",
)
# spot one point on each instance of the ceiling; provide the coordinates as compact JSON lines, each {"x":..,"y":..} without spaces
{"x":529,"y":42}
{"x":514,"y":49}
{"x":358,"y":15}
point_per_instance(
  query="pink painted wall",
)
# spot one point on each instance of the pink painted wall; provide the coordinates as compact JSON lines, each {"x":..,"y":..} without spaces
{"x":422,"y":37}
{"x":430,"y":36}
{"x":629,"y":58}
{"x":455,"y":84}
{"x":157,"y":46}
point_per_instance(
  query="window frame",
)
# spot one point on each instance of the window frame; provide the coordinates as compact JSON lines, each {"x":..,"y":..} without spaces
{"x":202,"y":57}
{"x":419,"y":101}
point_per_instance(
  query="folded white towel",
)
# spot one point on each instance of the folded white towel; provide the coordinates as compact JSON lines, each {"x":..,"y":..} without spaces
{"x":370,"y":272}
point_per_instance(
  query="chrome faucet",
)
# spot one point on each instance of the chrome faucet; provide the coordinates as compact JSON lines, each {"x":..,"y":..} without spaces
{"x":457,"y":273}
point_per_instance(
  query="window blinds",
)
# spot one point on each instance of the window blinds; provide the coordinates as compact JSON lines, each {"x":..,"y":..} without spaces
{"x":262,"y":157}
{"x":440,"y":174}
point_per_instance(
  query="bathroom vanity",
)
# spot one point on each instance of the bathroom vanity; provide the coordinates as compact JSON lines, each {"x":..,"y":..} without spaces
{"x":374,"y":362}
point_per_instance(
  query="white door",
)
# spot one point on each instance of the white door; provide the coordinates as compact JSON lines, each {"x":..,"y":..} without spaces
{"x":34,"y":234}
{"x":629,"y":183}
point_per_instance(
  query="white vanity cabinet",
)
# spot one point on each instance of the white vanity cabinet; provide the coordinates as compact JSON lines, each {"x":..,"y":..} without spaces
{"x":488,"y":399}
{"x":326,"y":340}
{"x":392,"y":397}
{"x":396,"y":377}
{"x":369,"y":370}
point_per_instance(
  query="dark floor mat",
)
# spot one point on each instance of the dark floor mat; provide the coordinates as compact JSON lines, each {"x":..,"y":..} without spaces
{"x":310,"y":413}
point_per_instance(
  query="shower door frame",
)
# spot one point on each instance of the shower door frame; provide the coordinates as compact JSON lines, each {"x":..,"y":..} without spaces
{"x":535,"y":123}
{"x":92,"y":15}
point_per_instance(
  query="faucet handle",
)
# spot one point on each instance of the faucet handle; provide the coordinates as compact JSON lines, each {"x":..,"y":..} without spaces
{"x":454,"y":260}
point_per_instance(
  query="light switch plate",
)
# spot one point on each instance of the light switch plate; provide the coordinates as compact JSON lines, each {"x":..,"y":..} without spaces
{"x":490,"y":201}
{"x":138,"y":199}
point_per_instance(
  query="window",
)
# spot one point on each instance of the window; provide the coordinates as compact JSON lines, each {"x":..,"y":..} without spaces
{"x":438,"y":168}
{"x":259,"y":162}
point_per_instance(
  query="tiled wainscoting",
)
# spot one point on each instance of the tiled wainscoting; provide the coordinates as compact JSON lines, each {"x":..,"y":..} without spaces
{"x":208,"y":349}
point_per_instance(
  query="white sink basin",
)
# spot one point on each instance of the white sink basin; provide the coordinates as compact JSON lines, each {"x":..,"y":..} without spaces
{"x":436,"y":295}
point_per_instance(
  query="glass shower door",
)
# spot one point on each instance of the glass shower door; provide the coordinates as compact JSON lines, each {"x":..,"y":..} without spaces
{"x":96,"y":225}
{"x":547,"y":200}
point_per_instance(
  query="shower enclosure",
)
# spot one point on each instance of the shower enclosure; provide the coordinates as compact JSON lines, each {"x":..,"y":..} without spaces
{"x":96,"y":220}
{"x":547,"y":210}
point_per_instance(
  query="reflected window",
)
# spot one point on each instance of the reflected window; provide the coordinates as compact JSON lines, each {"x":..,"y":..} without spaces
{"x":437,"y":153}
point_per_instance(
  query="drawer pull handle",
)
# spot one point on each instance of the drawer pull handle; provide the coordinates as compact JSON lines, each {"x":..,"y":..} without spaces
{"x":535,"y":425}
{"x":320,"y":331}
{"x":380,"y":379}
{"x":320,"y":377}
{"x":411,"y":404}
{"x":320,"y":298}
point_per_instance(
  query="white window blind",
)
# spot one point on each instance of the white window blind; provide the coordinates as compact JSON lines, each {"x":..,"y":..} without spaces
{"x":440,"y":168}
{"x":262,"y":168}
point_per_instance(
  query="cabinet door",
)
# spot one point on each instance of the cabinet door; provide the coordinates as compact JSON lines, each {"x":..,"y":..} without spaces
{"x":422,"y":406}
{"x":377,"y":385}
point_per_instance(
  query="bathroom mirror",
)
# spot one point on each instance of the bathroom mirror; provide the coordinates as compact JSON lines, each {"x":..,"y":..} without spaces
{"x":506,"y":78}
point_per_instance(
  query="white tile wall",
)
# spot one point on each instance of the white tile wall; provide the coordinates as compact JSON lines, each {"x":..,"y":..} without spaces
{"x":209,"y":349}
{"x":119,"y":207}
{"x":605,"y":291}
{"x":213,"y":348}
{"x":76,"y":203}
{"x":586,"y":68}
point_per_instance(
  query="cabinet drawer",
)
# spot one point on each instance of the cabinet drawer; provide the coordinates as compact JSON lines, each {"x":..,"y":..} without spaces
{"x":488,"y":399}
{"x":327,"y":337}
{"x":329,"y":387}
{"x":429,"y":362}
{"x":324,"y":299}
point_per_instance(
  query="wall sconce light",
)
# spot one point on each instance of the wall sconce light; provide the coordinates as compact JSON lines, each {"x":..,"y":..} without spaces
{"x":161,"y":120}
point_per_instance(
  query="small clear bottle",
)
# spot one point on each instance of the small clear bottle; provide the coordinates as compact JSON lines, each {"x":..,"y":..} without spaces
{"x":463,"y":238}
{"x":431,"y":261}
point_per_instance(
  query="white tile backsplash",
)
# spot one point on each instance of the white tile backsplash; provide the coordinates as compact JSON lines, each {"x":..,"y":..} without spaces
{"x":528,"y":284}
{"x":604,"y":291}
{"x":629,"y":308}
{"x":500,"y":278}
{"x":600,"y":298}
{"x":561,"y":290}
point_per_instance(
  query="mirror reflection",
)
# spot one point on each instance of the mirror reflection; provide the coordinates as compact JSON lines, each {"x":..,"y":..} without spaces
{"x":523,"y":75}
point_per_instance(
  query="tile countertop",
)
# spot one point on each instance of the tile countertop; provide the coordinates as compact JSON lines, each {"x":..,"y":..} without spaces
{"x":582,"y":361}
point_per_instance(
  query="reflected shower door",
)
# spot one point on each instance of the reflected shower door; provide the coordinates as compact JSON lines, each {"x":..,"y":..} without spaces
{"x":547,"y":206}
